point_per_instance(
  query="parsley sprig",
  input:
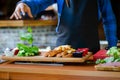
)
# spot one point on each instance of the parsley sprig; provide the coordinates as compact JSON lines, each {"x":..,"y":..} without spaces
{"x":27,"y":50}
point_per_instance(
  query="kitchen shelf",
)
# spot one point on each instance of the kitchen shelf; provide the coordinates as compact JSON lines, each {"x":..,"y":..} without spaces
{"x":22,"y":23}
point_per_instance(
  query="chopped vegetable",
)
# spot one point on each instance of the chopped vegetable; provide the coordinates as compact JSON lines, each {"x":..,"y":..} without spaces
{"x":84,"y":51}
{"x":113,"y":56}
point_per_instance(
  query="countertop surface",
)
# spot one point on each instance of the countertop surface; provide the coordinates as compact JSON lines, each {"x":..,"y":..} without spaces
{"x":77,"y":69}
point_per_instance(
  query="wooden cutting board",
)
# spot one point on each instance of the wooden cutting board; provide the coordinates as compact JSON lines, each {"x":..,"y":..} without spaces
{"x":47,"y":59}
{"x":107,"y":68}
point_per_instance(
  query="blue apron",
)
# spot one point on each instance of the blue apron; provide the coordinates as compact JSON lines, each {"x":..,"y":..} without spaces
{"x":79,"y":25}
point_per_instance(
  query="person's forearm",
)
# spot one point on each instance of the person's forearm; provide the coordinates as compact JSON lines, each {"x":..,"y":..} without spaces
{"x":37,"y":6}
{"x":109,"y":21}
{"x":110,"y":33}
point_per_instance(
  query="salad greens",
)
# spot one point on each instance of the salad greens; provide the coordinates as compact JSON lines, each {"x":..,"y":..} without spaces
{"x":113,"y":56}
{"x":27,"y":50}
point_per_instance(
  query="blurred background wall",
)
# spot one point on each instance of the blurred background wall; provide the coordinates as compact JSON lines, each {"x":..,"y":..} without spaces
{"x":9,"y":36}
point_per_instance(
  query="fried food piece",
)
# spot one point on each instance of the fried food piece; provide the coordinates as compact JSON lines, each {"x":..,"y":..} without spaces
{"x":67,"y":56}
{"x":59,"y":55}
{"x":68,"y":53}
{"x":61,"y":51}
{"x":70,"y":50}
{"x":53,"y":53}
{"x":58,"y":48}
{"x":45,"y":54}
{"x":64,"y":53}
{"x":63,"y":47}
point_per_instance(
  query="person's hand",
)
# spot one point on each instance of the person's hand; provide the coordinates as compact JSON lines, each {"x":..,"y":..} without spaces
{"x":21,"y":9}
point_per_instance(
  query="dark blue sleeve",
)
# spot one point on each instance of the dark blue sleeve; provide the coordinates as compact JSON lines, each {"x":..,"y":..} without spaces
{"x":109,"y":21}
{"x":37,"y":6}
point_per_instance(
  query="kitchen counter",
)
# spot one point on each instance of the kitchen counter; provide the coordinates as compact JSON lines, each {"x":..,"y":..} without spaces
{"x":83,"y":71}
{"x":22,"y":23}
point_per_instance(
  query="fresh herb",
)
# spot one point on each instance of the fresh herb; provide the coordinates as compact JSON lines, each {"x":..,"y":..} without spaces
{"x":27,"y":50}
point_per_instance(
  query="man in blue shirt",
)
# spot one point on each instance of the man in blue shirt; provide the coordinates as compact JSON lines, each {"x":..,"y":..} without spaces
{"x":77,"y":21}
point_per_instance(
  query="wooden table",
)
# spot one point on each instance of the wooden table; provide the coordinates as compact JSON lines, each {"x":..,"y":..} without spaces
{"x":10,"y":71}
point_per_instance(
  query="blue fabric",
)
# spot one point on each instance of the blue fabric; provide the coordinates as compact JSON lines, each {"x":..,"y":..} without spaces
{"x":104,"y":10}
{"x":109,"y":21}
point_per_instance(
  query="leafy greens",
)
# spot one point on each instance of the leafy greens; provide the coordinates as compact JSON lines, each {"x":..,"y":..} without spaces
{"x":113,"y":56}
{"x":27,"y":50}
